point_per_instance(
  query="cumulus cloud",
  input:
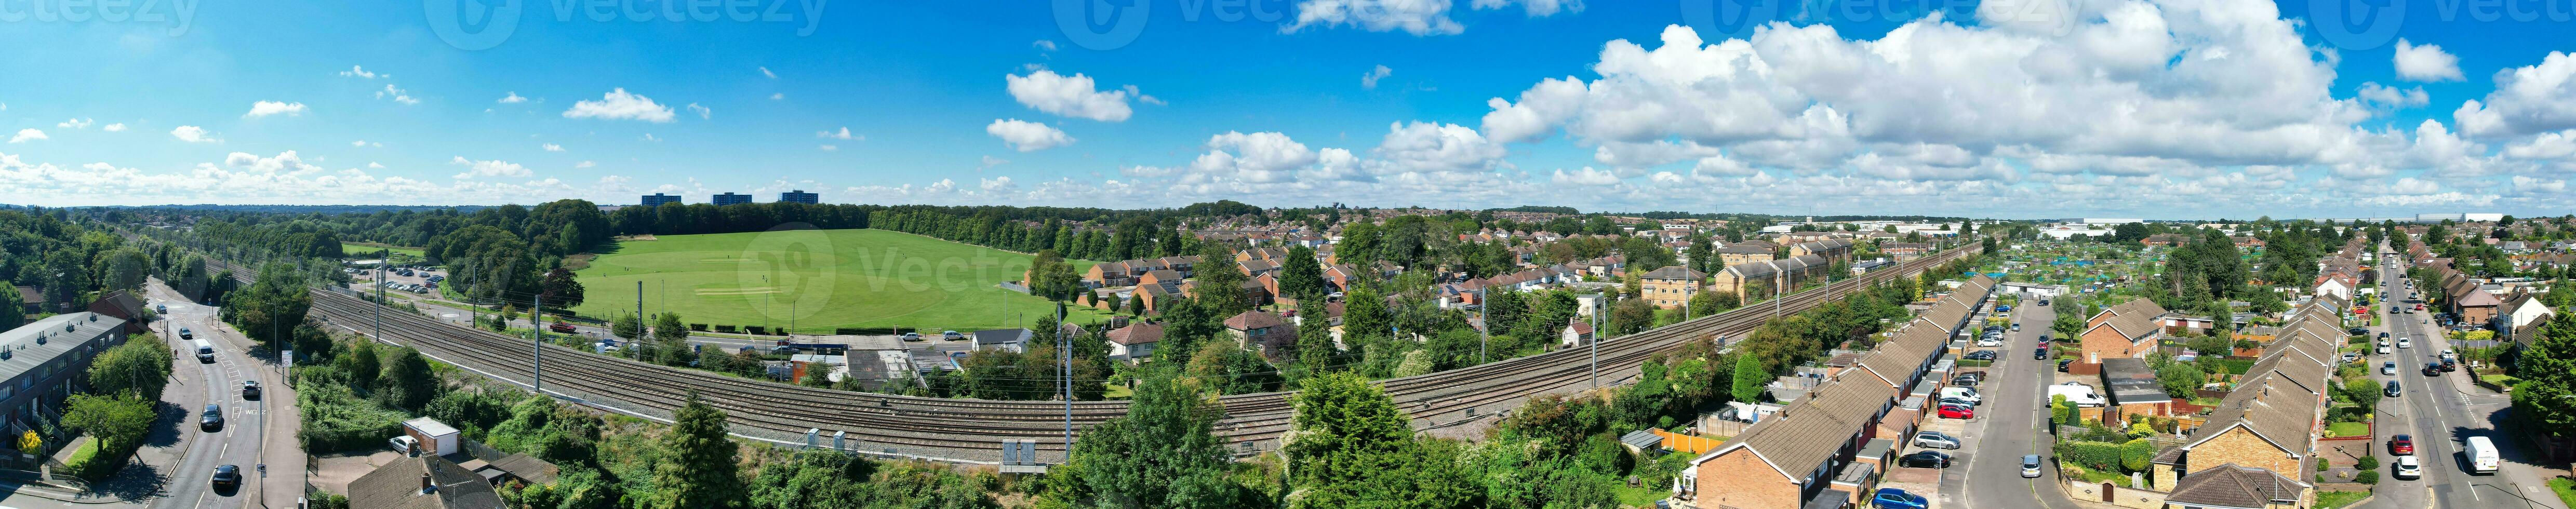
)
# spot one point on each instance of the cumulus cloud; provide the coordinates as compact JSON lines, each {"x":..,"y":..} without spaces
{"x":512,"y":98}
{"x":1026,"y":136}
{"x":114,"y":128}
{"x":77,"y":123}
{"x":27,"y":134}
{"x":1417,"y":17}
{"x":361,"y":72}
{"x":1043,"y":45}
{"x":493,"y":168}
{"x":617,"y":104}
{"x":990,"y":161}
{"x":1070,"y":96}
{"x":843,"y":134}
{"x":2526,"y":100}
{"x":193,"y":134}
{"x":2426,"y":63}
{"x":397,"y":94}
{"x":1369,"y":80}
{"x":550,"y":147}
{"x":2387,"y":97}
{"x":266,"y":108}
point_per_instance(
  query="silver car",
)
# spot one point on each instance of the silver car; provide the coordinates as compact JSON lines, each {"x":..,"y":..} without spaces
{"x":1935,"y":440}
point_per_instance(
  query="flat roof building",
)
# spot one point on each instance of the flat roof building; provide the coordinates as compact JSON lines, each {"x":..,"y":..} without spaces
{"x":39,"y":359}
{"x":799,"y":196}
{"x":732,"y":199}
{"x":657,"y":199}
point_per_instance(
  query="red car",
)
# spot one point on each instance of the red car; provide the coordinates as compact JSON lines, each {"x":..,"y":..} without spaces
{"x":1957,"y":412}
{"x":562,"y":328}
{"x":2401,"y":445}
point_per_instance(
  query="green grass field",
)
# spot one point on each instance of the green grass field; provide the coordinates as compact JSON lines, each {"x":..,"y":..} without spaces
{"x":353,"y":249}
{"x":816,"y":281}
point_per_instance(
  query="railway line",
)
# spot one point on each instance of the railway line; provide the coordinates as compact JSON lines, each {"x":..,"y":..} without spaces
{"x":970,"y":431}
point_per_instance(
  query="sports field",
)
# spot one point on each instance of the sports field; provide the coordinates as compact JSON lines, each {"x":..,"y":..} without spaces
{"x":354,"y":249}
{"x":815,"y":281}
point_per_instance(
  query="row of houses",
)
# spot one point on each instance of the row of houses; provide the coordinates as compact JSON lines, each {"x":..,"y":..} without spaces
{"x":1832,"y":444}
{"x":2258,"y":447}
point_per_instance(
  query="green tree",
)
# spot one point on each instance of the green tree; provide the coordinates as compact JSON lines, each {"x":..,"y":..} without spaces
{"x":2179,"y":379}
{"x":697,"y":469}
{"x":1220,"y":283}
{"x":124,"y":269}
{"x":2137,"y":454}
{"x":1710,"y":303}
{"x":119,"y":422}
{"x":1353,"y":447}
{"x":362,"y":365}
{"x":412,"y":383}
{"x":1162,"y":454}
{"x":561,"y":289}
{"x":1302,"y":276}
{"x":12,"y":310}
{"x":1750,"y":377}
{"x":2546,"y":396}
{"x":1315,"y":350}
{"x":628,"y":327}
{"x":139,"y":368}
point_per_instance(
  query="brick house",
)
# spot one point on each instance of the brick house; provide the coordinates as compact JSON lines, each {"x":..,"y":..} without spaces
{"x":1262,"y":331}
{"x":1670,"y":287}
{"x":1829,"y":249}
{"x":1135,"y":342}
{"x":2259,"y":445}
{"x":1745,"y":252}
{"x":2127,"y":330}
{"x":1780,"y":275}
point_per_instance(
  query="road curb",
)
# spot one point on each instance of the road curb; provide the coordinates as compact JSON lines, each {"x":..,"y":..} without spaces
{"x":49,"y":494}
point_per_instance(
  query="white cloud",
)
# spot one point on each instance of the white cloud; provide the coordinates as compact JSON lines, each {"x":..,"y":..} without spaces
{"x":1044,"y":45}
{"x":619,"y":105}
{"x":1071,"y":96}
{"x":828,"y":148}
{"x":777,"y":96}
{"x":373,"y":164}
{"x":114,"y":128}
{"x":1429,"y":147}
{"x":764,"y":71}
{"x":266,"y":108}
{"x":703,"y":112}
{"x":2426,"y":63}
{"x":1536,"y":8}
{"x":1584,"y":177}
{"x":77,"y":123}
{"x":493,"y":168}
{"x":397,"y":94}
{"x":2386,"y":97}
{"x":512,"y":98}
{"x":1027,"y":136}
{"x":361,"y":72}
{"x":2526,"y":100}
{"x":649,"y":138}
{"x":27,"y":134}
{"x":1257,"y":157}
{"x":843,"y":134}
{"x":1417,"y":17}
{"x":193,"y":134}
{"x":1369,"y":80}
{"x":990,"y":161}
{"x":550,"y":147}
{"x":584,"y":164}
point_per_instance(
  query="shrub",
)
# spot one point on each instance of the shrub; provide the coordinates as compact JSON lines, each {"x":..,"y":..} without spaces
{"x":2367,"y":477}
{"x":2096,"y":456}
{"x":338,"y":420}
{"x":2137,"y":454}
{"x":2367,"y":463}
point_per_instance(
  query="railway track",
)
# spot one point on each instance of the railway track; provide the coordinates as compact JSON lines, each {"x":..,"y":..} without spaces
{"x":970,"y":431}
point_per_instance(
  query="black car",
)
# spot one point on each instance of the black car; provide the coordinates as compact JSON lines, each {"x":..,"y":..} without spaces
{"x":250,"y":389}
{"x":226,"y":476}
{"x":213,"y":419}
{"x":2356,"y":331}
{"x":2430,"y":369}
{"x":2391,"y":390}
{"x":1980,"y":355}
{"x":2043,"y":303}
{"x":1924,"y":459}
{"x":1963,"y":382}
{"x":2061,"y":364}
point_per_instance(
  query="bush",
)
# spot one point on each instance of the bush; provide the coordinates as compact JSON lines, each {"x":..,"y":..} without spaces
{"x":2136,"y":455}
{"x":2367,"y":463}
{"x":2096,"y":456}
{"x":2367,"y":477}
{"x":338,"y":420}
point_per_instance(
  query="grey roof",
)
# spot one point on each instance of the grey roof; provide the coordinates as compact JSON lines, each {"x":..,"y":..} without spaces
{"x":27,"y":352}
{"x":2130,"y":382}
{"x":397,"y":486}
{"x":1642,"y":440}
{"x":2228,"y":485}
{"x":1674,"y":272}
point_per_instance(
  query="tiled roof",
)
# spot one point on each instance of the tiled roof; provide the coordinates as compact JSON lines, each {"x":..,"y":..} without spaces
{"x":1675,"y":272}
{"x":2228,"y":485}
{"x":1250,"y":320}
{"x":2134,"y":319}
{"x":397,"y":486}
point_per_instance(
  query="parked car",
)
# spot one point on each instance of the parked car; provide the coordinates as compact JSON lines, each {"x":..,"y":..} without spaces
{"x":911,"y":336}
{"x":1958,"y":412}
{"x":1924,"y":459}
{"x":1957,"y":401}
{"x":2388,"y":368}
{"x":401,"y":444}
{"x":952,"y":335}
{"x":2351,"y":356}
{"x":212,"y":419}
{"x":2401,"y":445}
{"x":2043,"y":303}
{"x":2003,"y":309}
{"x":2029,"y":466}
{"x":1987,"y":342}
{"x":2061,"y":364}
{"x":1980,"y":355}
{"x":2356,"y":331}
{"x":227,"y":476}
{"x":1936,"y":440}
{"x":2391,"y":390}
{"x":1892,"y":498}
{"x":2039,"y":354}
{"x":2449,"y":365}
{"x":2408,"y":468}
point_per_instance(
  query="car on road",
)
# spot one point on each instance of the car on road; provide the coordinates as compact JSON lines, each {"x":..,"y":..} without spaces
{"x":2449,"y":365}
{"x":912,"y":336}
{"x":2391,"y":390}
{"x":952,"y":335}
{"x":212,"y":419}
{"x":562,"y":328}
{"x":2401,"y":445}
{"x":227,"y":476}
{"x":161,"y":309}
{"x":2016,"y":327}
{"x":2405,"y":343}
{"x":250,"y":389}
{"x":2388,"y":368}
{"x":2432,"y":369}
{"x":2029,"y":466}
{"x":2408,"y":468}
{"x":1924,"y":459}
{"x":2383,"y":349}
{"x":1980,"y":355}
{"x":1936,"y":440}
{"x":1892,"y":498}
{"x":2039,"y":354}
{"x":1958,"y":412}
{"x":184,"y":334}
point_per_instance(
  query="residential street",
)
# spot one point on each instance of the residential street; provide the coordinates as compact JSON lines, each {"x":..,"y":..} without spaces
{"x":2011,"y":423}
{"x":247,"y":439}
{"x":2442,"y":412}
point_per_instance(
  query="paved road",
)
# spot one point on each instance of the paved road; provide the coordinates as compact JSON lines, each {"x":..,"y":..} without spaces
{"x":246,"y":438}
{"x":2013,"y":422}
{"x":2442,"y":412}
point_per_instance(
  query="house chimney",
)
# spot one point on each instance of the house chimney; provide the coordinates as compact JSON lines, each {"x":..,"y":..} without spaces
{"x":427,"y":487}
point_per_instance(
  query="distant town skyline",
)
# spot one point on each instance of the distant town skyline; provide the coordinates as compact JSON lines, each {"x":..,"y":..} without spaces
{"x":2151,"y":109}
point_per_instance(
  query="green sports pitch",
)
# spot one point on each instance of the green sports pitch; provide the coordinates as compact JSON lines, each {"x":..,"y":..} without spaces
{"x":815,"y":281}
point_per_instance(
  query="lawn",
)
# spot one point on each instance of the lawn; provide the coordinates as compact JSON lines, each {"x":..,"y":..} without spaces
{"x":358,"y":248}
{"x":2566,"y":489}
{"x":816,"y":281}
{"x":2338,"y":499}
{"x":2346,"y":429}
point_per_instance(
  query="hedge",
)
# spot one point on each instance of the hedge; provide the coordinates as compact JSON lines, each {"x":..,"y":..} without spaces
{"x":2096,"y":456}
{"x":2367,"y":463}
{"x":336,"y":419}
{"x":2367,"y":477}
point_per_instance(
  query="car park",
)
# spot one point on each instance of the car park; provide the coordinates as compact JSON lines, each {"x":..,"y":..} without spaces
{"x":1924,"y":459}
{"x":1892,"y":498}
{"x":2029,"y":466}
{"x":1936,"y":440}
{"x":2408,"y":468}
{"x":2401,"y":445}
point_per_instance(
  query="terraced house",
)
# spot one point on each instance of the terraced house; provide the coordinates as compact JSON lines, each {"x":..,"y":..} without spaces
{"x":2258,"y":448}
{"x":1830,"y":448}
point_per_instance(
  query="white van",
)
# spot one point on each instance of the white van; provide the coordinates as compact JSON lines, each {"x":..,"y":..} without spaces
{"x":1961,"y":393}
{"x":2482,"y":456}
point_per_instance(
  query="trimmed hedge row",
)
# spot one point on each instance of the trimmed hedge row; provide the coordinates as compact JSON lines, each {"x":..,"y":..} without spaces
{"x":2095,"y":456}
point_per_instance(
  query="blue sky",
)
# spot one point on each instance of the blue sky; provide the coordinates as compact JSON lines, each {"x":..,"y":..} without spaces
{"x":2031,"y":109}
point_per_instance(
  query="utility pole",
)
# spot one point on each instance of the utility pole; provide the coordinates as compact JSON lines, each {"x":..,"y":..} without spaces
{"x":639,"y":311}
{"x":383,"y":258}
{"x":537,"y":346}
{"x":1064,"y":350}
{"x":1595,"y":343}
{"x":1483,"y":334}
